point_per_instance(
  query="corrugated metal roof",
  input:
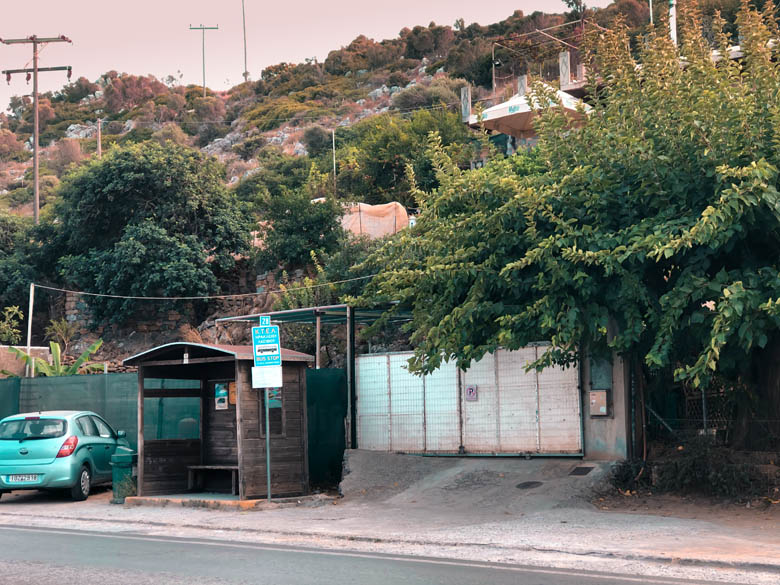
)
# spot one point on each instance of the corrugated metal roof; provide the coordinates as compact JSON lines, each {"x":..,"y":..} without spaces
{"x":239,"y":352}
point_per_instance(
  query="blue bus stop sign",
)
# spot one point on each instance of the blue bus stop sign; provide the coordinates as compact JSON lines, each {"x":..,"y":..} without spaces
{"x":265,"y":346}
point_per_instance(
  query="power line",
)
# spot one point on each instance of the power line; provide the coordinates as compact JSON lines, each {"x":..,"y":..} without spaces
{"x":201,"y":298}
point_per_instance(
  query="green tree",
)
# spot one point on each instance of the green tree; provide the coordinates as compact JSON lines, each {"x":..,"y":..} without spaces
{"x":277,"y":172}
{"x":148,"y":220}
{"x":17,"y":264}
{"x":652,"y":230}
{"x":9,"y":325}
{"x":62,"y":331}
{"x":375,"y":159}
{"x":295,"y":227}
{"x":317,"y":140}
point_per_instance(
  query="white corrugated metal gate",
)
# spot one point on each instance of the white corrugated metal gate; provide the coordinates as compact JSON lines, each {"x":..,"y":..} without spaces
{"x":514,"y":411}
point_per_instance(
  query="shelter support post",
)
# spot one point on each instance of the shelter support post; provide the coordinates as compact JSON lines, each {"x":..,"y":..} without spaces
{"x":351,"y":398}
{"x":318,"y":344}
{"x":140,"y":489}
{"x":240,"y":431}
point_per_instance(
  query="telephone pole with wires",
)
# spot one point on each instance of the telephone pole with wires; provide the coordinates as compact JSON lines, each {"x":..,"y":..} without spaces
{"x":35,"y":41}
{"x":203,"y":30}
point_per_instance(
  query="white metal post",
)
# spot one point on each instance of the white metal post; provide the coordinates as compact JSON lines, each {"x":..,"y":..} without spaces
{"x":243,"y":17}
{"x":29,"y":330}
{"x":333,"y":136}
{"x":673,"y":20}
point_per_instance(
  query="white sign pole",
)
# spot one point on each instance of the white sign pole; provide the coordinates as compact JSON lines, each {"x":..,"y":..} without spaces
{"x":266,"y":374}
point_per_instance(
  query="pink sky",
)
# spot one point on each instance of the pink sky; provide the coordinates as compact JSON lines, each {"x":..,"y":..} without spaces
{"x":152,"y":36}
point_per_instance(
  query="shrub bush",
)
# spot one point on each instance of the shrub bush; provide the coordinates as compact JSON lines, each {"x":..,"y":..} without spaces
{"x":700,"y":467}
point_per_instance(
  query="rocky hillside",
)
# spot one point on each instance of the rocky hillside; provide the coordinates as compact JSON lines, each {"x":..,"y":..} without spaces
{"x":421,"y":68}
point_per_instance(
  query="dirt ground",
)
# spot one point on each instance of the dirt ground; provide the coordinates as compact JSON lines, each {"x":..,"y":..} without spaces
{"x":750,"y":514}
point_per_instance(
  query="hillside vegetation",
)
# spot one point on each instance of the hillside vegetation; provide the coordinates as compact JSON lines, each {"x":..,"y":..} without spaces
{"x":268,"y":141}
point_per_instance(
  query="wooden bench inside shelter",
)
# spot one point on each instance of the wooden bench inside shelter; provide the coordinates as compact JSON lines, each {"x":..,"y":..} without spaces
{"x":195,"y":475}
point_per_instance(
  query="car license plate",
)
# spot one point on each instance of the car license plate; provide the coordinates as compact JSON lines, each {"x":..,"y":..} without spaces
{"x":22,"y":478}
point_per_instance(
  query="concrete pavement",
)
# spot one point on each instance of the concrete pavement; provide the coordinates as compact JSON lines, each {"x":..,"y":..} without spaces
{"x":469,"y":509}
{"x":581,"y":539}
{"x":33,"y":556}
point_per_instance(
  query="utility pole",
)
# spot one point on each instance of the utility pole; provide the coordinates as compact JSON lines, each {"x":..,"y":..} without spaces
{"x":493,"y":65}
{"x":673,"y":20}
{"x":203,"y":30}
{"x":333,"y":135}
{"x":651,"y":12}
{"x":35,"y":41}
{"x":246,"y":69}
{"x":100,"y":138}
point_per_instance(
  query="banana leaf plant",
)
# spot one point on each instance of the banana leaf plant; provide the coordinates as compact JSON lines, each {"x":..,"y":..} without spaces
{"x":41,"y":367}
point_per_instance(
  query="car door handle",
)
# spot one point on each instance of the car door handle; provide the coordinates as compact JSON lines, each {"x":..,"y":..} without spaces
{"x":89,"y":448}
{"x":108,"y":447}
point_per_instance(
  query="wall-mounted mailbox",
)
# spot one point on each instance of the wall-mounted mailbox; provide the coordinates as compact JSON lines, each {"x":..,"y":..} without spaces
{"x":598,"y":403}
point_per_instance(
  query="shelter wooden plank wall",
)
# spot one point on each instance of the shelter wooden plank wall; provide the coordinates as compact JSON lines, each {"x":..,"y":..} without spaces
{"x":288,"y":452}
{"x":219,"y":432}
{"x":165,"y":465}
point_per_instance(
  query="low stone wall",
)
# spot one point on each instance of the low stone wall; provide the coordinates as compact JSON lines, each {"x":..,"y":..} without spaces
{"x":154,"y":327}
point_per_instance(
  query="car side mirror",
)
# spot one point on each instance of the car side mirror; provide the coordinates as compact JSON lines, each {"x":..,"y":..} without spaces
{"x":121,"y":434}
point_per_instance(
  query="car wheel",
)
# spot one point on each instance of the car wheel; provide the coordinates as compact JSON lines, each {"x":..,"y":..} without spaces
{"x":80,"y":490}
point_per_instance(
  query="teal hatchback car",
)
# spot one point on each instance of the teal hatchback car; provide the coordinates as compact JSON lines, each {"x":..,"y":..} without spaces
{"x":56,"y":450}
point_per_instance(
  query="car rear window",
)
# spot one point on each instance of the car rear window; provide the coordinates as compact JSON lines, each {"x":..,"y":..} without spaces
{"x":32,"y":428}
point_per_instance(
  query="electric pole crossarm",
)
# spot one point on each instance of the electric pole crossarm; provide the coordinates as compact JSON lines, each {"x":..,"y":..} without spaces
{"x":34,"y":39}
{"x":40,"y":69}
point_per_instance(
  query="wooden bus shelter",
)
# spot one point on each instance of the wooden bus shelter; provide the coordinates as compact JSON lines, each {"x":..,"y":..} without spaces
{"x":215,"y":421}
{"x":333,"y":315}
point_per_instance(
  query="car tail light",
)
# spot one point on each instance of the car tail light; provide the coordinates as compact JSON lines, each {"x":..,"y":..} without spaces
{"x":68,"y":447}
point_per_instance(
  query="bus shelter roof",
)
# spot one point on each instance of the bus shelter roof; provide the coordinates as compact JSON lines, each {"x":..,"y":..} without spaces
{"x":328,"y":314}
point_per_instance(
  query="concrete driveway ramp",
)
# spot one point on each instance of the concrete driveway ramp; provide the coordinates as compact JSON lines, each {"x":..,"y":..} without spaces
{"x":511,"y":483}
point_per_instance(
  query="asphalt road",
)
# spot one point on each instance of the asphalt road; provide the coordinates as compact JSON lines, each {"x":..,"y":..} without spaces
{"x":35,"y":556}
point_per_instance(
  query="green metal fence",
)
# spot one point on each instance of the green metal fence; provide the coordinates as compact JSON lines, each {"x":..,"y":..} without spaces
{"x":326,"y":404}
{"x":9,"y":396}
{"x":113,"y":396}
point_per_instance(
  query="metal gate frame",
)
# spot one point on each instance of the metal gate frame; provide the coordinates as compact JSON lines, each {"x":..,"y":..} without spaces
{"x":419,"y":427}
